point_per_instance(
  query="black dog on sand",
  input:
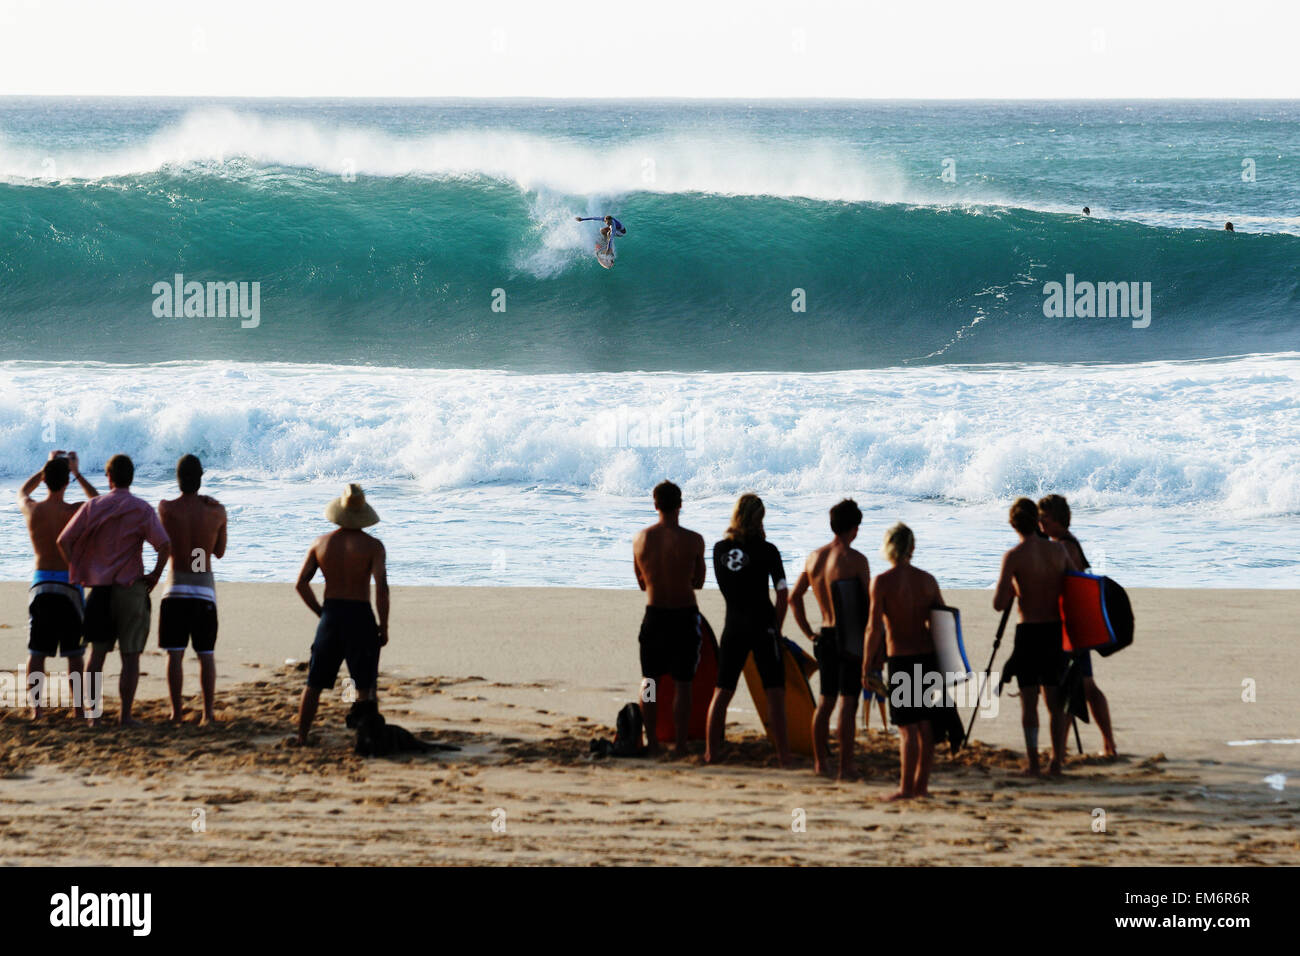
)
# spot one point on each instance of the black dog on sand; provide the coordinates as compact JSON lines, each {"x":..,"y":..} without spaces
{"x":376,"y":737}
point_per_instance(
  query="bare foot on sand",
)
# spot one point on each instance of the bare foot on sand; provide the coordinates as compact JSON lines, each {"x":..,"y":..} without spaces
{"x":896,"y":796}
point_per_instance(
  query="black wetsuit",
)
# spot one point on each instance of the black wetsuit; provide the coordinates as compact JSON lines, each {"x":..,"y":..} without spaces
{"x":742,"y":571}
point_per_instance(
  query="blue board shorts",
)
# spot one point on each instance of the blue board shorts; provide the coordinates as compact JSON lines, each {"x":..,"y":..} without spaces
{"x":347,"y":632}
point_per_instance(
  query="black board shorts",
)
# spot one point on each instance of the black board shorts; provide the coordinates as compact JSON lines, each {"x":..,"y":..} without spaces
{"x":670,"y":642}
{"x":1039,"y":659}
{"x":840,"y":673}
{"x":54,"y":624}
{"x":911,"y":676}
{"x":347,"y":632}
{"x":738,"y":642}
{"x":185,"y":619}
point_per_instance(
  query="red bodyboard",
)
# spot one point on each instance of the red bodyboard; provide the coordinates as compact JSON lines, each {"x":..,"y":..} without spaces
{"x":706,"y":678}
{"x":1083,"y":611}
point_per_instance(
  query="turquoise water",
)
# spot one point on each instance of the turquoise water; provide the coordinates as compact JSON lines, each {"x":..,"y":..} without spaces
{"x":379,"y":231}
{"x":921,"y":374}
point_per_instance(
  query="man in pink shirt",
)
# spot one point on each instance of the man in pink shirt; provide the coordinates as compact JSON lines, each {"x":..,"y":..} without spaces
{"x":103,"y":548}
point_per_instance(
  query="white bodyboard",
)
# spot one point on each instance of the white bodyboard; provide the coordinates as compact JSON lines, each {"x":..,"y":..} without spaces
{"x":945,"y":630}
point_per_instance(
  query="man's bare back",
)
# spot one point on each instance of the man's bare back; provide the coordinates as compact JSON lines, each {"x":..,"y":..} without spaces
{"x":45,"y":519}
{"x":1034,"y":570}
{"x":348,"y":559}
{"x":901,"y":601}
{"x":670,"y":565}
{"x":830,"y":563}
{"x":196,"y":525}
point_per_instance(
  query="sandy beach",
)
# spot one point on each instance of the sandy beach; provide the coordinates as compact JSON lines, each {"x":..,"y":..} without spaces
{"x":522,"y":679}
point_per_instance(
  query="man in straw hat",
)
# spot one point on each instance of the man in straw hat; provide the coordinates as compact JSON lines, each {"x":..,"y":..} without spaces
{"x":349,"y":558}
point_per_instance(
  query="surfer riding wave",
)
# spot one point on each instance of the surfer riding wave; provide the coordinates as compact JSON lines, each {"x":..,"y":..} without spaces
{"x":608,"y":231}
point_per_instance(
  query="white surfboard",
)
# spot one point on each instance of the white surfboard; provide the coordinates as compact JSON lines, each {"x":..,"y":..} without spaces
{"x":945,"y":631}
{"x":603,"y":255}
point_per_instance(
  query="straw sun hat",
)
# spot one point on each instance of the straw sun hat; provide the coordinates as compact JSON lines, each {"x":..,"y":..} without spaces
{"x":349,"y":510}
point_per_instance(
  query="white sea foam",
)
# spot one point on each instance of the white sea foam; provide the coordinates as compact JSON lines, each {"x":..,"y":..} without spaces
{"x":1218,"y":435}
{"x":718,"y":163}
{"x":1182,"y":473}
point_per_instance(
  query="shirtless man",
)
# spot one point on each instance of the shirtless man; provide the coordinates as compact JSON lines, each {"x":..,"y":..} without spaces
{"x":54,"y":605}
{"x":349,"y":558}
{"x":901,"y":601}
{"x":1034,"y":572}
{"x":1054,"y":519}
{"x":669,"y":564}
{"x":832,"y":567}
{"x":196,"y":525}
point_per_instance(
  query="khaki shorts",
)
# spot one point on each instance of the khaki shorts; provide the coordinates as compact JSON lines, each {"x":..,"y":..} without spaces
{"x":118,"y":615}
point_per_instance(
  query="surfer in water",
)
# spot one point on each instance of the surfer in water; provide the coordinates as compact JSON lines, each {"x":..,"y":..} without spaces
{"x":608,"y":231}
{"x":1054,"y":519}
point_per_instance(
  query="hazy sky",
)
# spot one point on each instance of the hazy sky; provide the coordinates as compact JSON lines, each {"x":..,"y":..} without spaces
{"x":908,"y":48}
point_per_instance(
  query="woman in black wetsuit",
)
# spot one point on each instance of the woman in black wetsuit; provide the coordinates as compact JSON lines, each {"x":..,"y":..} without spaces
{"x":743,"y":562}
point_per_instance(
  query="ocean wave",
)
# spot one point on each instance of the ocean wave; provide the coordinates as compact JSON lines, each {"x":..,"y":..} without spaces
{"x":404,"y":271}
{"x":1214,"y":437}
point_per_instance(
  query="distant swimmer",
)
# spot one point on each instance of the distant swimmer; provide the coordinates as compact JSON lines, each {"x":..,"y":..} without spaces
{"x":1227,"y":227}
{"x":839,"y":577}
{"x":609,"y":231}
{"x":1087,"y":211}
{"x":1034,"y":571}
{"x":669,"y":564}
{"x":1054,"y":519}
{"x":743,"y":562}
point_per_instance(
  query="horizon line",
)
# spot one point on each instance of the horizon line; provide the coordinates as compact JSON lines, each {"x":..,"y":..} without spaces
{"x":663,"y":99}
